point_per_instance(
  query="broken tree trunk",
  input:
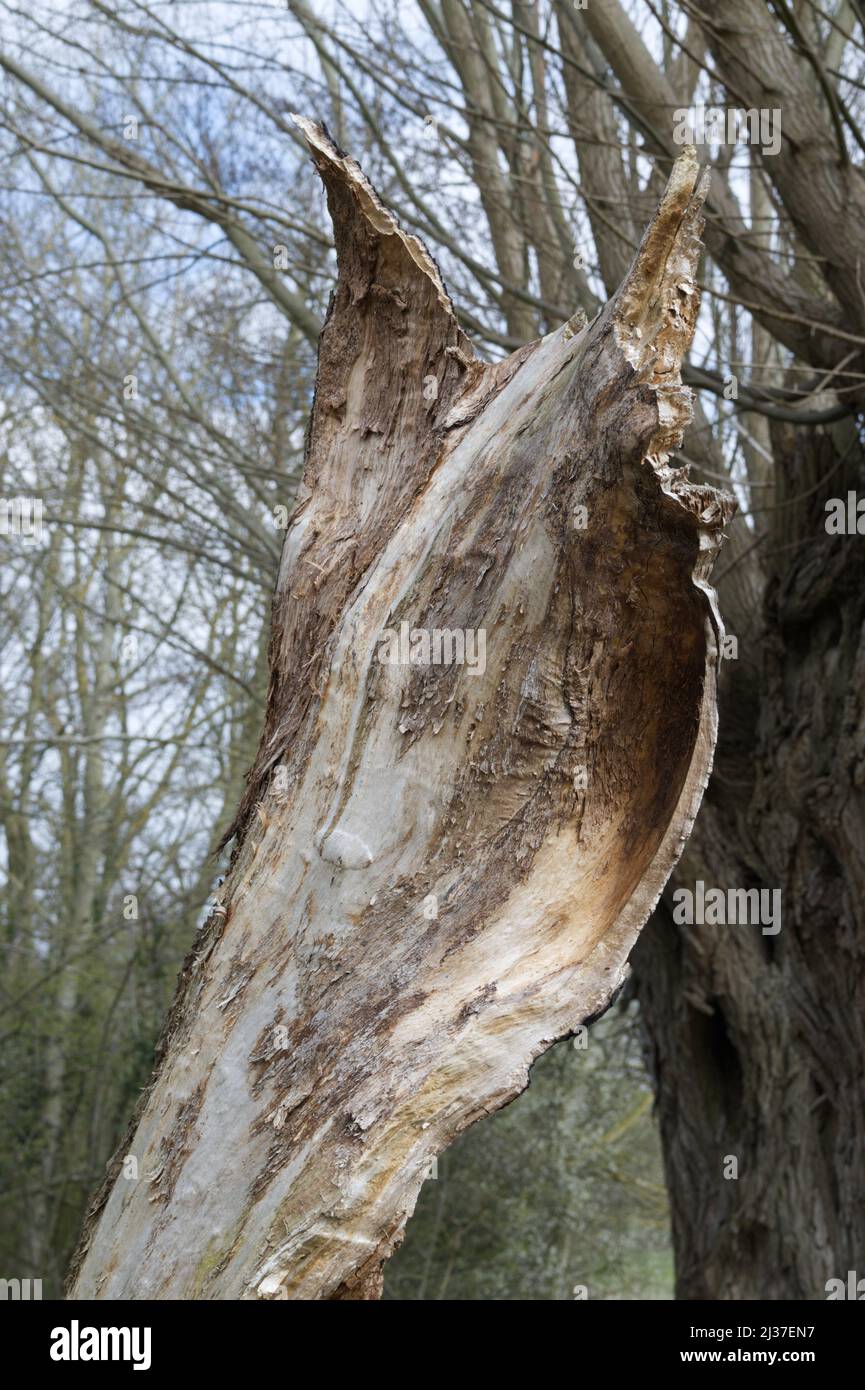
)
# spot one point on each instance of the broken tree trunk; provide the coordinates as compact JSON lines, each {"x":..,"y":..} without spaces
{"x":440,"y":865}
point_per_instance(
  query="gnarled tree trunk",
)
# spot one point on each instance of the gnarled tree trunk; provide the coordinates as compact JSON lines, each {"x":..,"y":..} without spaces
{"x":439,"y":868}
{"x":757,"y":1040}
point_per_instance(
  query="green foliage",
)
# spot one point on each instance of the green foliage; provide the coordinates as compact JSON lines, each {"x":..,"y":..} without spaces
{"x":562,"y":1188}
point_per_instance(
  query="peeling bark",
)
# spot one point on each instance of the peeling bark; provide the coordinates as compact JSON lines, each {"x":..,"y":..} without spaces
{"x":437,"y":871}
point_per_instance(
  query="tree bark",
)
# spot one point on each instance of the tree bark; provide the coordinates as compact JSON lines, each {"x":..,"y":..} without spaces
{"x":439,"y":869}
{"x":756,"y":1042}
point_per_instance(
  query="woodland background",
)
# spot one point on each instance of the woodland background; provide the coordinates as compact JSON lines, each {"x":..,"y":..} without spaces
{"x":165,"y":266}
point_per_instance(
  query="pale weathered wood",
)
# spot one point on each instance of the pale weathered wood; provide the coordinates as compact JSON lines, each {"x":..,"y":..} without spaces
{"x":438,"y":872}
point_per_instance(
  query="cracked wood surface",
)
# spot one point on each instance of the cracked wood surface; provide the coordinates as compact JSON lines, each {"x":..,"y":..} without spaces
{"x":437,"y":872}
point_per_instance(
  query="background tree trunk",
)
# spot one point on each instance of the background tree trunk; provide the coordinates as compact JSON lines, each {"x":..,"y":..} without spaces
{"x":438,"y":871}
{"x":756,"y":1042}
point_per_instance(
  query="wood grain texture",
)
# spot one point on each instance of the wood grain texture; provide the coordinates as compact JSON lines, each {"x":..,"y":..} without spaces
{"x":437,"y":871}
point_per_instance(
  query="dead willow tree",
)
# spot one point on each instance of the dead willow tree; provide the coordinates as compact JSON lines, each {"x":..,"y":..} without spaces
{"x":439,"y":869}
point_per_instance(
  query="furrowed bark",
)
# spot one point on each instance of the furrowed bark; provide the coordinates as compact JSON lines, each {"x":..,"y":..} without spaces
{"x":439,"y":870}
{"x":756,"y":1041}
